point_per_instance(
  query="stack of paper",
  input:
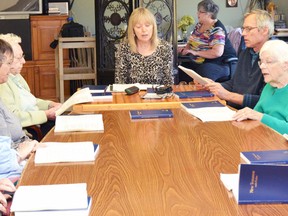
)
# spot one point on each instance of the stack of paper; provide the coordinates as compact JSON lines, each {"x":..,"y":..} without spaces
{"x":209,"y":111}
{"x":55,"y":152}
{"x":69,"y":123}
{"x":58,"y":199}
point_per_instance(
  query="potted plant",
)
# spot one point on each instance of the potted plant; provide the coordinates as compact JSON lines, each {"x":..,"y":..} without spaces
{"x":183,"y":25}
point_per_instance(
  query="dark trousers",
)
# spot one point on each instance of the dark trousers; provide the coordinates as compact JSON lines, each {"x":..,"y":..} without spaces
{"x":210,"y":70}
{"x":45,"y":128}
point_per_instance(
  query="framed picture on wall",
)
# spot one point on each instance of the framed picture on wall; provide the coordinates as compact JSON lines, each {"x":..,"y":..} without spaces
{"x":231,"y":3}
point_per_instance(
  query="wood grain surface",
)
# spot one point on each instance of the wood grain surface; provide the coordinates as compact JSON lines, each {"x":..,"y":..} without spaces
{"x":162,"y":166}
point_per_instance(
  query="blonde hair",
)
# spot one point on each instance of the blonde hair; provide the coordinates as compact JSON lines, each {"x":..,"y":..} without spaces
{"x":277,"y":49}
{"x":139,"y":15}
{"x":11,"y":38}
{"x":263,"y":20}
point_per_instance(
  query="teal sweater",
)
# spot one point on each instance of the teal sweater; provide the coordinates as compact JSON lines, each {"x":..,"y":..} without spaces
{"x":274,"y":104}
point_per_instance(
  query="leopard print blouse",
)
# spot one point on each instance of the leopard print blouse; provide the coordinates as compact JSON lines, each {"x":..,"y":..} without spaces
{"x":135,"y":68}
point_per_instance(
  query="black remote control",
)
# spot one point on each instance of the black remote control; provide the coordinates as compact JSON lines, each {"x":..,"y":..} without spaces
{"x":131,"y":90}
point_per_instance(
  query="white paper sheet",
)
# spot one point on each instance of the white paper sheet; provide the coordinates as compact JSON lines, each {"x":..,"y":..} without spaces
{"x":69,"y":123}
{"x":50,"y":197}
{"x":55,"y":152}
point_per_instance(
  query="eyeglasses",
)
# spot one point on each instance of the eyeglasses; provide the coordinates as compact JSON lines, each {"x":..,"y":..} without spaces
{"x":265,"y":64}
{"x":248,"y":28}
{"x":20,"y":58}
{"x":202,"y":12}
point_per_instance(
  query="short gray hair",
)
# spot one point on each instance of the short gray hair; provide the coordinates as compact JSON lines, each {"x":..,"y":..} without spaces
{"x":11,"y":38}
{"x":210,"y":7}
{"x":276,"y":48}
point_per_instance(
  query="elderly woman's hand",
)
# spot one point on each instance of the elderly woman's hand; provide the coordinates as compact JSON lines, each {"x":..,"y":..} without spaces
{"x":5,"y":185}
{"x":247,"y":113}
{"x":26,"y":148}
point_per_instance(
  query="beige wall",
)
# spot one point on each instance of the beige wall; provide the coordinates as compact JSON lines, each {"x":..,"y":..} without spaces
{"x":83,"y":11}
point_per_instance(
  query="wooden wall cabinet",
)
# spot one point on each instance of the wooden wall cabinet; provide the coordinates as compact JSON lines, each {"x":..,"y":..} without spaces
{"x":40,"y":72}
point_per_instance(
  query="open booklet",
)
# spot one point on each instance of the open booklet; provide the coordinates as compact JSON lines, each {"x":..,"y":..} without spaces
{"x":80,"y":96}
{"x":208,"y":111}
{"x":196,"y":77}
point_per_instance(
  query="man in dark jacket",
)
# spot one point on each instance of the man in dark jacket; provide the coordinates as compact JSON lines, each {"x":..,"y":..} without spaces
{"x":245,"y":87}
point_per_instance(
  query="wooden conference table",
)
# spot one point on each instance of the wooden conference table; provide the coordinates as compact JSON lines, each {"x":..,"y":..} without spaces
{"x":121,"y":101}
{"x":161,"y":167}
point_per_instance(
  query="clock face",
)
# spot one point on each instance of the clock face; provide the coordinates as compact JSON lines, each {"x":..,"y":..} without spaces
{"x":115,"y":18}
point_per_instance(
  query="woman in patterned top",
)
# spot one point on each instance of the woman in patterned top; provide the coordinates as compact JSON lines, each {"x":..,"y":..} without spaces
{"x":143,"y":58}
{"x":208,"y":45}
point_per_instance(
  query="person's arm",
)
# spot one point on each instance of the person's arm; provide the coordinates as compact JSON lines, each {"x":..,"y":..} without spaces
{"x":10,"y":97}
{"x":216,"y":51}
{"x":250,"y":100}
{"x":218,"y":90}
{"x":121,"y":65}
{"x":217,"y":43}
{"x":279,"y":125}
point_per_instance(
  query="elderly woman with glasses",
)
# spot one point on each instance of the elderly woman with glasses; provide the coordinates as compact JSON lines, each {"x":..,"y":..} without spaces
{"x":12,"y":153}
{"x":272,"y":107}
{"x":16,"y":94}
{"x":208,"y":45}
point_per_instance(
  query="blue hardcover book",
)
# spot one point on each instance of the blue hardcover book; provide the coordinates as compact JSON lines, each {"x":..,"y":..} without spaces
{"x":148,"y":114}
{"x":192,"y":105}
{"x":102,"y":96}
{"x":263,"y":183}
{"x":267,"y":157}
{"x":194,"y":94}
{"x":96,"y":88}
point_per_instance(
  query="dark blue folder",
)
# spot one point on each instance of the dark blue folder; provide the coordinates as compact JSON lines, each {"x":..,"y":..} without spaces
{"x":194,"y":94}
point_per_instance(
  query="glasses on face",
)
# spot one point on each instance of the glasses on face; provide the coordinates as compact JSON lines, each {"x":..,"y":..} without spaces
{"x":266,"y":64}
{"x":20,"y":57}
{"x":248,"y":28}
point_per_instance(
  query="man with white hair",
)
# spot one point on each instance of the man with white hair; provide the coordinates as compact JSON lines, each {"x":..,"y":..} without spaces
{"x":16,"y":94}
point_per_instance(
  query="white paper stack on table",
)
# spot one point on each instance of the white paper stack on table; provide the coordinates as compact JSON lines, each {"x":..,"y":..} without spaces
{"x":209,"y":111}
{"x":70,"y":123}
{"x":55,"y":152}
{"x":49,"y":200}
